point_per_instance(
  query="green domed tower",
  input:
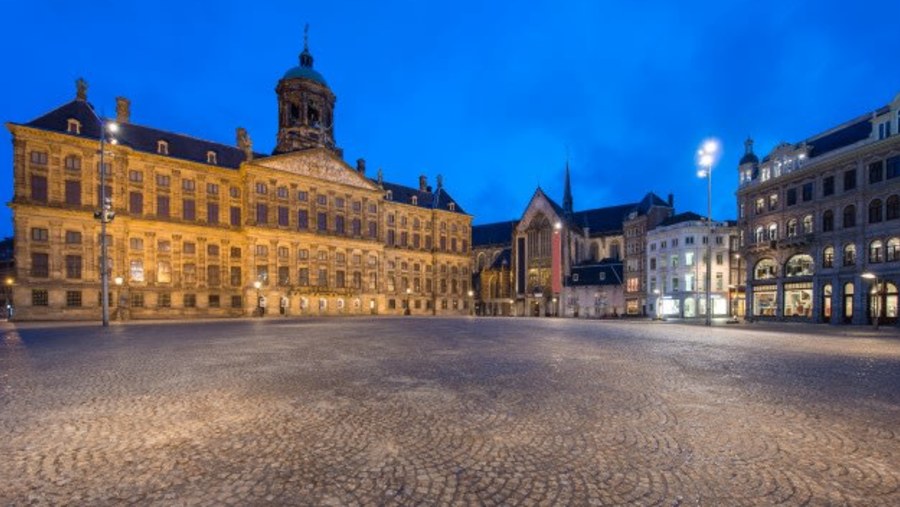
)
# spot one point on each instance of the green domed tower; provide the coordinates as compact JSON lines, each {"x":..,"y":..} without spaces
{"x":305,"y":107}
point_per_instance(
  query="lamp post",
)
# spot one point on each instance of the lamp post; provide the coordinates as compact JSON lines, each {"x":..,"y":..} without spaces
{"x":105,"y":215}
{"x":471,"y":302}
{"x":868,"y":275}
{"x":706,"y":158}
{"x":408,"y":310}
{"x":7,"y":293}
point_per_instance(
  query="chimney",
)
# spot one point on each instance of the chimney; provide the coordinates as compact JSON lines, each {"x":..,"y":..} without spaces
{"x":671,"y":200}
{"x":361,"y":166}
{"x":81,"y":87}
{"x":423,"y":183}
{"x":123,"y":110}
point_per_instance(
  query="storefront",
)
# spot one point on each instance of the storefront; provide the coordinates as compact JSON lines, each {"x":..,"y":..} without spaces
{"x":765,"y":301}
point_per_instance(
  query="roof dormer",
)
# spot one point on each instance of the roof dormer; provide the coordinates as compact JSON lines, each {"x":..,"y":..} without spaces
{"x":162,"y":147}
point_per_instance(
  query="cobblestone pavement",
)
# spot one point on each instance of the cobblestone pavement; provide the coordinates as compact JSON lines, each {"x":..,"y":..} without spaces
{"x":421,"y":411}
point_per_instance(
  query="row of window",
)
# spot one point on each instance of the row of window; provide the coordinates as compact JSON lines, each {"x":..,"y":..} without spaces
{"x":802,"y":264}
{"x":691,"y":283}
{"x":689,"y":260}
{"x":878,"y":171}
{"x":74,"y":299}
{"x":688,"y":240}
{"x":878,"y":212}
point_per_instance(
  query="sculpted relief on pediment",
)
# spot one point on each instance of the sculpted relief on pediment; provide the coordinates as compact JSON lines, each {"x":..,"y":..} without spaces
{"x":317,"y":165}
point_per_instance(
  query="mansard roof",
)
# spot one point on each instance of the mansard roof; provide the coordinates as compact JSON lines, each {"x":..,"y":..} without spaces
{"x":590,"y":274}
{"x":497,"y":233}
{"x":138,"y":137}
{"x":404,"y":194}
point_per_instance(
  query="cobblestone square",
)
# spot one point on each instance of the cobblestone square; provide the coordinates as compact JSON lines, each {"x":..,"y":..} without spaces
{"x":464,"y":411}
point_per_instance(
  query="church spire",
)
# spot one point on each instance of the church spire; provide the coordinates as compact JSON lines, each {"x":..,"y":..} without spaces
{"x":567,"y":193}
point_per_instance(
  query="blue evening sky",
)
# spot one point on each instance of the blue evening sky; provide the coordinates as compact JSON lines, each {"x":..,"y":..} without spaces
{"x":492,"y":95}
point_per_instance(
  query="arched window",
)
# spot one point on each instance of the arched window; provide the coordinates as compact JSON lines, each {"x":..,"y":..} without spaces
{"x":876,"y":251}
{"x":850,"y":216}
{"x":892,"y":208}
{"x":875,"y":211}
{"x":808,"y":224}
{"x":479,"y":263}
{"x":848,"y":301}
{"x":893,"y":250}
{"x":827,"y":221}
{"x":760,"y":235}
{"x":614,"y":250}
{"x":773,"y":231}
{"x":765,"y":269}
{"x":826,"y":302}
{"x":828,"y":257}
{"x":791,"y":228}
{"x":799,"y":265}
{"x":849,"y":254}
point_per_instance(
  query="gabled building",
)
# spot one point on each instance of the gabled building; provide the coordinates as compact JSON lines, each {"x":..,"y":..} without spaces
{"x":207,"y":229}
{"x":554,"y":253}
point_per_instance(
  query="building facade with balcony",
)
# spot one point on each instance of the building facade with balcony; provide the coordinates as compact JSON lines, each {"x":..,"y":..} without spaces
{"x":676,"y":268}
{"x":820,"y":224}
{"x":207,"y":229}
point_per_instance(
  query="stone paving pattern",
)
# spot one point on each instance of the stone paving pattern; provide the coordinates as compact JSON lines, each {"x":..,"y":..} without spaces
{"x":418,"y":411}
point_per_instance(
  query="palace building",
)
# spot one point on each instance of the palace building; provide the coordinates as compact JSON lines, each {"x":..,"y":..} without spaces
{"x":207,"y":229}
{"x":820,"y":224}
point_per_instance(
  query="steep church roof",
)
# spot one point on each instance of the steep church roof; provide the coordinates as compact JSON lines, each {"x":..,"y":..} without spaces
{"x":497,"y":233}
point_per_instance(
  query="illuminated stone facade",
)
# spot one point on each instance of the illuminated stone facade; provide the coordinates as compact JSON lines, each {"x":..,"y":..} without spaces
{"x":820,"y":224}
{"x":199,"y":224}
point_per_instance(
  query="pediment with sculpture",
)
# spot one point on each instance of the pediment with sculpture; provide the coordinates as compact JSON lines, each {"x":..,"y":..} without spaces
{"x":319,"y":164}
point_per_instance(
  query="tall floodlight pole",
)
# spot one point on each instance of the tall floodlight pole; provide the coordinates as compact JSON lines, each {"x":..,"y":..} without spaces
{"x":706,"y":158}
{"x":105,"y":215}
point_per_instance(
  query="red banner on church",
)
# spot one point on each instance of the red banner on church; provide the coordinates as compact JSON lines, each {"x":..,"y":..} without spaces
{"x":556,"y":264}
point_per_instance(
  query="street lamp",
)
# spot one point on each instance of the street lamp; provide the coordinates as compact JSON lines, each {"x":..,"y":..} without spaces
{"x":868,"y":275}
{"x":707,"y":156}
{"x":119,"y":281}
{"x":471,"y":302}
{"x":8,"y":283}
{"x":408,"y":310}
{"x":256,"y":285}
{"x":105,"y":215}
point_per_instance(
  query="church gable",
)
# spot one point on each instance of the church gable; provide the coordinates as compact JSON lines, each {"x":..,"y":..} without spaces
{"x":539,"y":206}
{"x":318,"y":163}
